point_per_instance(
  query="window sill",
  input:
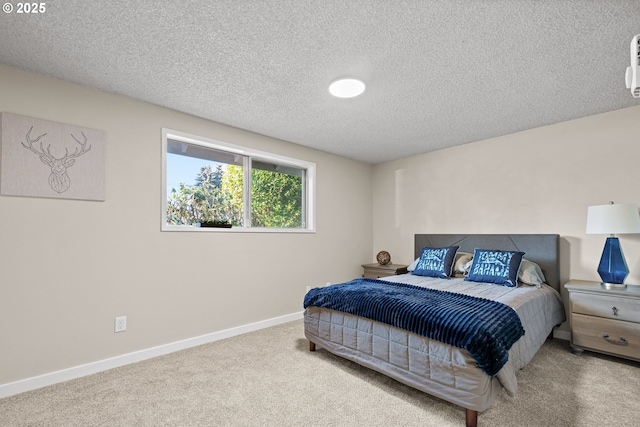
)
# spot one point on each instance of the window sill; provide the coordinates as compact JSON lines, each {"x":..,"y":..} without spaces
{"x":194,"y":229}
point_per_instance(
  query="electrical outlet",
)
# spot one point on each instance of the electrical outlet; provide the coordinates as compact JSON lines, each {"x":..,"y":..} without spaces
{"x":121,"y":324}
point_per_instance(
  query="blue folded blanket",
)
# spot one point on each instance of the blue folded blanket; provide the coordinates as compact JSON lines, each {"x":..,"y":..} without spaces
{"x":486,"y":329}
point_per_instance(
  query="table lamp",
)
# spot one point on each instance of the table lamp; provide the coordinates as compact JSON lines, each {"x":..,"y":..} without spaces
{"x":613,"y":219}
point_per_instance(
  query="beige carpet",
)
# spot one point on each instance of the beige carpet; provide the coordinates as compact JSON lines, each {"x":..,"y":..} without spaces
{"x":269,"y":378}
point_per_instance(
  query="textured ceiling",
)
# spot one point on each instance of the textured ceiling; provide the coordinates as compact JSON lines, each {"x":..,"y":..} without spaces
{"x":438,"y":73}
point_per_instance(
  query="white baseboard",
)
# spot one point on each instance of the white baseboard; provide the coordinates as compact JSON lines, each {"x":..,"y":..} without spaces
{"x":33,"y":383}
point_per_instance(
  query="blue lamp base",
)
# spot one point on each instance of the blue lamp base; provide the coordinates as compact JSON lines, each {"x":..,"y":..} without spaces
{"x":613,"y":267}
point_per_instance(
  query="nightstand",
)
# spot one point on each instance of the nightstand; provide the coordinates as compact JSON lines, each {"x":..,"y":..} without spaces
{"x":604,"y":320}
{"x":376,"y":270}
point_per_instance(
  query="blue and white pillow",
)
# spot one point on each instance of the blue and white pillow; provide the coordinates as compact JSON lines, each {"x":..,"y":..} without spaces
{"x":436,"y":262}
{"x":493,"y":266}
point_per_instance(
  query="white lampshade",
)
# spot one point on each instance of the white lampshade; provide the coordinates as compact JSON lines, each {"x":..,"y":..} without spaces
{"x":613,"y":219}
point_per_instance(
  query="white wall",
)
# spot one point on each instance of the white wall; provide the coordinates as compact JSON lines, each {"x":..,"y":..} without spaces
{"x":536,"y":181}
{"x":67,"y":268}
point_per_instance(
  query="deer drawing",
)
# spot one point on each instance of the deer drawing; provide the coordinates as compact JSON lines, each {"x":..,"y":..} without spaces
{"x":59,"y":180}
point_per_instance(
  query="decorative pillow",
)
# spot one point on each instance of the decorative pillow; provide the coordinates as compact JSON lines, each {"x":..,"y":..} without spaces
{"x":530,"y":273}
{"x":493,"y":266}
{"x":436,"y":262}
{"x":462,"y":258}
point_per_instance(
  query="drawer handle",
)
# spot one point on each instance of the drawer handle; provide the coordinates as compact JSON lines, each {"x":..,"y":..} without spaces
{"x":622,"y":341}
{"x":614,"y":310}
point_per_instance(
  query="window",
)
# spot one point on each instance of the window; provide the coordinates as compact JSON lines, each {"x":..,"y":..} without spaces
{"x":208,"y":182}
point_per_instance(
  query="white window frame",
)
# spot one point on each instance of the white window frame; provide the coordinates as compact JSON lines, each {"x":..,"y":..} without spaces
{"x":308,"y":188}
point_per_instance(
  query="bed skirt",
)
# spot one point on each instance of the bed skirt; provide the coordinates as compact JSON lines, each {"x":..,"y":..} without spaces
{"x":427,"y":365}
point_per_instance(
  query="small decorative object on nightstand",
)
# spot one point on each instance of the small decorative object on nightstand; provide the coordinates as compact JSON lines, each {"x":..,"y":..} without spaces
{"x":383,"y":258}
{"x":375,"y":271}
{"x":604,"y":320}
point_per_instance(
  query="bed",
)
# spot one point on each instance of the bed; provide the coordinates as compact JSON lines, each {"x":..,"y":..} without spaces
{"x":438,"y":366}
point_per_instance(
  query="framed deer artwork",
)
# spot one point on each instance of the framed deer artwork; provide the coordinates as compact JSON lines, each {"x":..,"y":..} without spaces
{"x":40,"y":158}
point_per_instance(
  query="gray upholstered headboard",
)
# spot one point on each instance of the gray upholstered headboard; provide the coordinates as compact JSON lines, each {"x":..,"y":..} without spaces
{"x":542,"y":249}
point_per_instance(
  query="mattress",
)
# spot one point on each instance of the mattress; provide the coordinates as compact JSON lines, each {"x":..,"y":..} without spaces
{"x":431,"y":366}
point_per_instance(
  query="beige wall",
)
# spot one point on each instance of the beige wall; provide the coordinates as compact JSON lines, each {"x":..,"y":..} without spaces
{"x":536,"y":181}
{"x":67,"y":268}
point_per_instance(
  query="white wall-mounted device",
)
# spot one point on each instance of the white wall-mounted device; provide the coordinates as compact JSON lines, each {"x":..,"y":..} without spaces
{"x":632,"y":78}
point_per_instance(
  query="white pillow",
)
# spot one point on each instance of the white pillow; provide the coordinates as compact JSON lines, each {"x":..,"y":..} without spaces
{"x":413,"y":265}
{"x":460,"y":264}
{"x":530,"y":273}
{"x":466,"y":268}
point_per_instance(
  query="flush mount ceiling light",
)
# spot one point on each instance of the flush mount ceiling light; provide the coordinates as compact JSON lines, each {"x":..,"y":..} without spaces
{"x":346,"y":88}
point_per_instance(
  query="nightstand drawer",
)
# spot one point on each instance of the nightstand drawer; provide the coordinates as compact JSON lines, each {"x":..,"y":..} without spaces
{"x":609,"y":336}
{"x":376,"y":274}
{"x":605,"y":306}
{"x":376,"y":271}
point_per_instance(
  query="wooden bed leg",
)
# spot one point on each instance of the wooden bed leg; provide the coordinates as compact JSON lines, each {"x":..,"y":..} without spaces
{"x":312,"y":346}
{"x":472,"y":418}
